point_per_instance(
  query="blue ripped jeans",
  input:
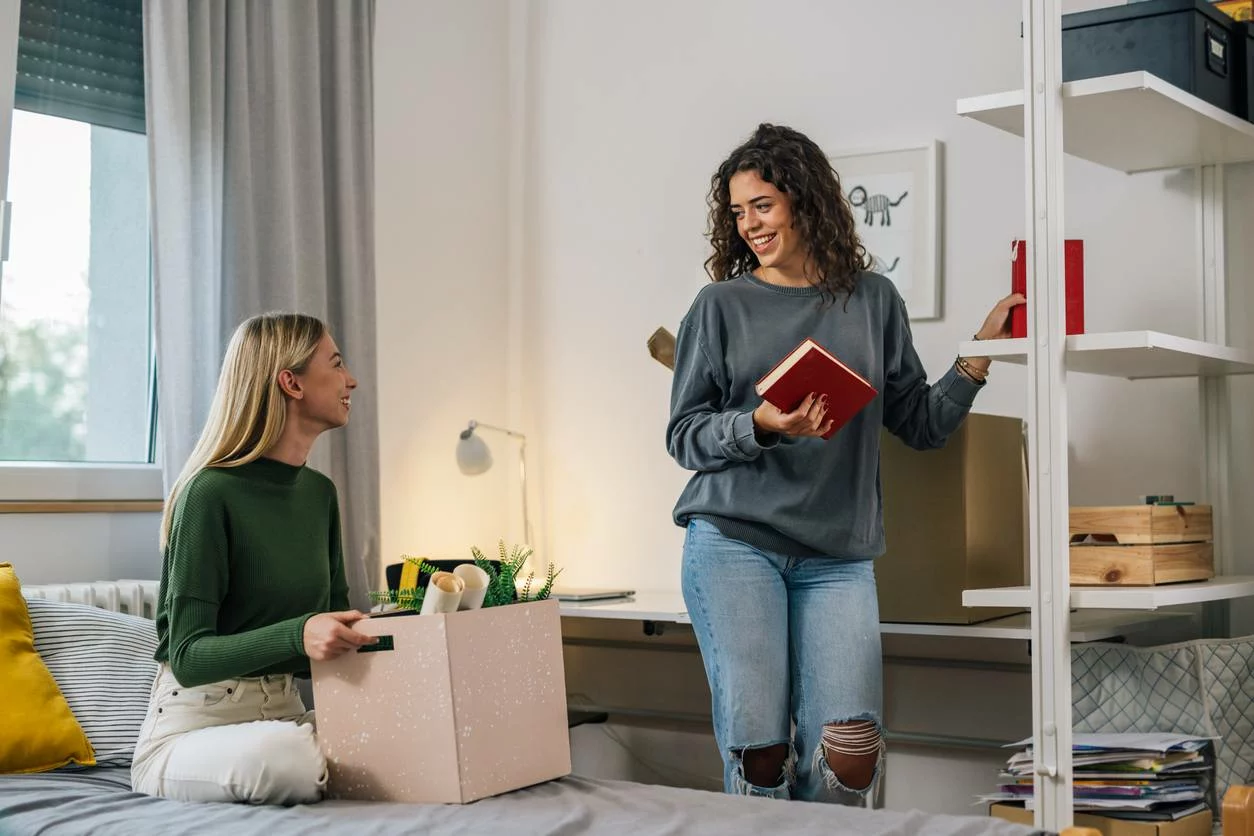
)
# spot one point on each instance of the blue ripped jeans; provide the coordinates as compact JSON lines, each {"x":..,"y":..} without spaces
{"x":784,"y":640}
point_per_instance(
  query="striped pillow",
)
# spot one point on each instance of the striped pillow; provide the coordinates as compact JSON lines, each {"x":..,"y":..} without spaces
{"x":102,"y":662}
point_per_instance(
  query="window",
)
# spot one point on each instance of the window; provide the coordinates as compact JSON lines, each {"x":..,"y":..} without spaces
{"x":76,"y":347}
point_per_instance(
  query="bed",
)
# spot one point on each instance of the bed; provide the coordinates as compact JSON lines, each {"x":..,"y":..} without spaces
{"x":99,"y":801}
{"x":102,"y":664}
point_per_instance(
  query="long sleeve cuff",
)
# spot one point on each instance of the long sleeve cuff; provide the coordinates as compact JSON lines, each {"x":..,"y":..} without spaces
{"x":958,"y":388}
{"x":745,"y":436}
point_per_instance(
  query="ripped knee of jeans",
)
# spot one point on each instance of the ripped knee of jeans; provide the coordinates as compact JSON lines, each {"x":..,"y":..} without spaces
{"x":764,"y":769}
{"x":851,"y":754}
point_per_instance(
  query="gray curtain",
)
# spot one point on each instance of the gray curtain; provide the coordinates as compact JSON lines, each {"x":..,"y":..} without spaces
{"x":260,"y":136}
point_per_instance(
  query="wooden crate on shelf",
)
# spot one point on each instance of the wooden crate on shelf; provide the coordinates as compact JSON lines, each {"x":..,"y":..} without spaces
{"x":1141,"y":545}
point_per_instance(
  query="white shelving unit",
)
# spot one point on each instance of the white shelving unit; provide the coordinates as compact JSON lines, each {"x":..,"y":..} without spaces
{"x":1131,"y":122}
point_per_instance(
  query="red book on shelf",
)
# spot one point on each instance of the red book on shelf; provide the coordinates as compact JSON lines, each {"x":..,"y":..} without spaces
{"x":812,"y":368}
{"x":1073,"y":272}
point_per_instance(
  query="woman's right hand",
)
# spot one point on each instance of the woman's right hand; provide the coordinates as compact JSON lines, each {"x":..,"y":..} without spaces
{"x":329,"y":634}
{"x":805,"y":420}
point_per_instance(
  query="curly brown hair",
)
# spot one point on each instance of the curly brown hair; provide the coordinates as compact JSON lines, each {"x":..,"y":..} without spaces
{"x":794,"y":164}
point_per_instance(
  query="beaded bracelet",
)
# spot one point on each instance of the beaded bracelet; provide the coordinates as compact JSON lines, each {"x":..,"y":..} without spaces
{"x":970,"y":371}
{"x":976,"y":377}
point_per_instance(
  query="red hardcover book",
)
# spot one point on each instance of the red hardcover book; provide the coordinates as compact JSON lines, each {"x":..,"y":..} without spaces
{"x":1073,"y":273}
{"x":812,"y":368}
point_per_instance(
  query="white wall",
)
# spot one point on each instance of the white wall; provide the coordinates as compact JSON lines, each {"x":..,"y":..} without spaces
{"x":440,"y":209}
{"x":64,"y":548}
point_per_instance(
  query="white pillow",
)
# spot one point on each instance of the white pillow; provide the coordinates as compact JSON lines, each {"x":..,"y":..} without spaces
{"x":102,"y":662}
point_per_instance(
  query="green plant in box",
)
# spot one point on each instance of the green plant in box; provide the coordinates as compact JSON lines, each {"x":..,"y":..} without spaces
{"x":503,"y":577}
{"x":502,"y":580}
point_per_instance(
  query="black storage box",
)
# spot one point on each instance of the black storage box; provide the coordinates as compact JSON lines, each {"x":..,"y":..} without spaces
{"x":1187,"y":43}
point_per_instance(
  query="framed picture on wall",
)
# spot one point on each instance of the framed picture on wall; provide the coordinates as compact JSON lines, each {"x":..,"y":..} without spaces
{"x":896,"y":197}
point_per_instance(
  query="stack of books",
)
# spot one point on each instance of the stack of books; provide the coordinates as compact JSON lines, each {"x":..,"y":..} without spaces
{"x":1144,"y":777}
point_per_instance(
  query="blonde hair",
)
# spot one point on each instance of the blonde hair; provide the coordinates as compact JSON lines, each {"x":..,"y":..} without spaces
{"x":247,"y":415}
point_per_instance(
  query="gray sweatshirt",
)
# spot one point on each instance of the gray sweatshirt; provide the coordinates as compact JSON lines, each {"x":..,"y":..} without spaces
{"x":798,"y":496}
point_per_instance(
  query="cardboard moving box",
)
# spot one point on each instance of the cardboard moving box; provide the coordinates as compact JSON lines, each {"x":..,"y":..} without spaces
{"x":446,"y":708}
{"x":954,"y":519}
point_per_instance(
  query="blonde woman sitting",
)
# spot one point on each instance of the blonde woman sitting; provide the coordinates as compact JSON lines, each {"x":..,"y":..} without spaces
{"x":252,"y":584}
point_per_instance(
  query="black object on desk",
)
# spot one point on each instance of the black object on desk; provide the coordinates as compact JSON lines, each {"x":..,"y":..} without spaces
{"x":392,"y":572}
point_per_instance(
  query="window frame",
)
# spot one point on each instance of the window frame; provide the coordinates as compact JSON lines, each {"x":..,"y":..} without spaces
{"x":79,"y":481}
{"x":57,"y":481}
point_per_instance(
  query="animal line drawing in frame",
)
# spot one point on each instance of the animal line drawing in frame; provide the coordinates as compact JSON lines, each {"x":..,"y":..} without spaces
{"x":896,"y":197}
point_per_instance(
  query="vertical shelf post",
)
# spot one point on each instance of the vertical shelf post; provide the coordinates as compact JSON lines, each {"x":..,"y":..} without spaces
{"x":1047,"y":415}
{"x":1213,"y":391}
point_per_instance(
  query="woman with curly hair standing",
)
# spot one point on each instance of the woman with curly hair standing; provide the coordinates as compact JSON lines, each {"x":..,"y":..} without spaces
{"x":782,"y":527}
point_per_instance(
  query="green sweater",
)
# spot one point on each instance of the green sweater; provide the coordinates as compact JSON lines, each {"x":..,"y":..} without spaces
{"x":254,"y":551}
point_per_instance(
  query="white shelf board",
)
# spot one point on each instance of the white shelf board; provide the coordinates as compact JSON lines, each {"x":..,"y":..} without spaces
{"x":1130,"y":122}
{"x":1122,"y":597}
{"x":1086,"y":626}
{"x":1129,"y":354}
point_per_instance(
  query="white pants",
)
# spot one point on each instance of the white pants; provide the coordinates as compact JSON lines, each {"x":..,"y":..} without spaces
{"x":249,"y":740}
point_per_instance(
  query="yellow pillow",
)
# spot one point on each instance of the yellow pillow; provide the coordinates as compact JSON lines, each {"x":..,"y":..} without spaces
{"x":38,"y":731}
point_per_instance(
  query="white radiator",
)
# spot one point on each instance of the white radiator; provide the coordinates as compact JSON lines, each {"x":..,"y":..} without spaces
{"x":128,"y":596}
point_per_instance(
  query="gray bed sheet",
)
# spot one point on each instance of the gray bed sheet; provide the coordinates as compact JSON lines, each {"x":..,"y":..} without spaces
{"x":100,"y":802}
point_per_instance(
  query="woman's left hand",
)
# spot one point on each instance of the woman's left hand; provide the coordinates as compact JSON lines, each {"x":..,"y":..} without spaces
{"x":997,"y":324}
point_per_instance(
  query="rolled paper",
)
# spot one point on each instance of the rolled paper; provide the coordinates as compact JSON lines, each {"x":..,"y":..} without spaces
{"x":444,"y":593}
{"x":476,"y":581}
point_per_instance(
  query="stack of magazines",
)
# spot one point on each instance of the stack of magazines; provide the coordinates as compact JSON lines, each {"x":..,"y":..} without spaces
{"x":1148,"y":777}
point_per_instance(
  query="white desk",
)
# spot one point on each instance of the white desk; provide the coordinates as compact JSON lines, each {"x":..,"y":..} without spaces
{"x":643,"y":606}
{"x":1086,"y":625}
